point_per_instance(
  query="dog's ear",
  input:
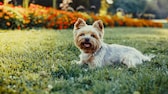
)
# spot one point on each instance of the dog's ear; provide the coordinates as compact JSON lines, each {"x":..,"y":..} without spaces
{"x":99,"y":25}
{"x":79,"y":24}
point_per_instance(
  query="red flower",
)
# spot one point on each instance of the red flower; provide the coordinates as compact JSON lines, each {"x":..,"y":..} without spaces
{"x":1,"y":3}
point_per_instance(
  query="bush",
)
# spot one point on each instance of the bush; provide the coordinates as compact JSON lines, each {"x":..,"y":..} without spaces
{"x":14,"y":17}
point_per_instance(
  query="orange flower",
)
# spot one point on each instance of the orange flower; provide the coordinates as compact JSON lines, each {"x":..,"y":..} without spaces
{"x":11,"y":16}
{"x":39,"y":21}
{"x":19,"y":27}
{"x":8,"y":23}
{"x":1,"y":14}
{"x":26,"y":21}
{"x":6,"y":17}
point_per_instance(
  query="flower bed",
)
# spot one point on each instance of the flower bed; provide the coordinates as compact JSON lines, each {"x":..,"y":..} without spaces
{"x":12,"y":17}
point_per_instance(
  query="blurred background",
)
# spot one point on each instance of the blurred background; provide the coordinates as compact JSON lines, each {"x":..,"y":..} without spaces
{"x":62,"y":14}
{"x":148,"y":9}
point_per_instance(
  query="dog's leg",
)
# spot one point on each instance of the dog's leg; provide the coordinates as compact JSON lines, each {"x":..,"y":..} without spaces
{"x":131,"y":60}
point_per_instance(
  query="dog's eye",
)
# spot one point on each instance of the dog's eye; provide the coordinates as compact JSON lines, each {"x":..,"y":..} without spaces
{"x":93,"y":35}
{"x":82,"y":34}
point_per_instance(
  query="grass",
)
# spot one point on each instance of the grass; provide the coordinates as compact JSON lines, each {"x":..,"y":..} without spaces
{"x":165,"y":25}
{"x":40,"y":62}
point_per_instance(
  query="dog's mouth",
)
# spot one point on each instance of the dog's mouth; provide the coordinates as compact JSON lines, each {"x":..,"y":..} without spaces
{"x":87,"y":45}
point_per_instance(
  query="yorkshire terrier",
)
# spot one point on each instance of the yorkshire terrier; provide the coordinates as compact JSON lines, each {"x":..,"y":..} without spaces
{"x":96,"y":53}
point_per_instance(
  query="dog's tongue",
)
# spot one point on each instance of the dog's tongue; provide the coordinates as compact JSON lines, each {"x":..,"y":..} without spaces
{"x":87,"y":45}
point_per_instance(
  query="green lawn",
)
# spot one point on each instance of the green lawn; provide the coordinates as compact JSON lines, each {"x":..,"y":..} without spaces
{"x":40,"y":62}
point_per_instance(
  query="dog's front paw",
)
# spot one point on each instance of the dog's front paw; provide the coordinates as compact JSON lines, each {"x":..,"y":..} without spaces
{"x":76,"y":62}
{"x":73,"y":62}
{"x":79,"y":63}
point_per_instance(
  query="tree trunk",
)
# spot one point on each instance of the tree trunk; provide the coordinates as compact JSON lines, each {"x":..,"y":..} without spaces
{"x":5,"y":2}
{"x":54,"y":3}
{"x":26,"y":4}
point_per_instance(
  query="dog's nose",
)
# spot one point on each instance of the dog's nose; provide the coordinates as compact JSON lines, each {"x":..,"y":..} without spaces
{"x":87,"y":39}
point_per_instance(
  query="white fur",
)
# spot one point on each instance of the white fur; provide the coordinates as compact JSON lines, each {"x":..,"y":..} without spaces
{"x":112,"y":54}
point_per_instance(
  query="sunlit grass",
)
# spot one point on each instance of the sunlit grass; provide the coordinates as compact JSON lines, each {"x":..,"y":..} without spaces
{"x":39,"y":61}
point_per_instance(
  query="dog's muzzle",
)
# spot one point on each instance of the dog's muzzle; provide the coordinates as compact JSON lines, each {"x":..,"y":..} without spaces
{"x":87,"y":43}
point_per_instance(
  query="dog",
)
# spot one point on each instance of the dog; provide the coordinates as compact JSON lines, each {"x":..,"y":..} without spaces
{"x":96,"y":53}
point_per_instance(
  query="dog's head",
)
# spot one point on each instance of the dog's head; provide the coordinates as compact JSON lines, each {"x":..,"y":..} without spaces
{"x":88,"y":38}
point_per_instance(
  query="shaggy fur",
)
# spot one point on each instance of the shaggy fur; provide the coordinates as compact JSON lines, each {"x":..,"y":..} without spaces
{"x":96,"y":53}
